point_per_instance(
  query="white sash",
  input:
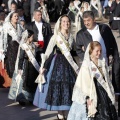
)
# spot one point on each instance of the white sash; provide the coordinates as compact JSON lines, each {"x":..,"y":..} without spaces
{"x":31,"y":56}
{"x":94,"y":71}
{"x":106,"y":84}
{"x":97,"y":74}
{"x":66,"y":52}
{"x":94,"y":5}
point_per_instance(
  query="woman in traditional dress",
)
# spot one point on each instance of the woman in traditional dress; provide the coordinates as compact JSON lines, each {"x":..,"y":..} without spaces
{"x":96,"y":8}
{"x":107,"y":9}
{"x":3,"y":82}
{"x":2,"y":18}
{"x":86,"y":6}
{"x":79,"y":20}
{"x":77,"y":4}
{"x":93,"y":95}
{"x":23,"y":82}
{"x":72,"y":11}
{"x":45,"y":15}
{"x":12,"y":36}
{"x":55,"y":93}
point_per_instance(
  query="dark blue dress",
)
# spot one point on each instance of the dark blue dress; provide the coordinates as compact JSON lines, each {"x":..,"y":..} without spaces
{"x":57,"y":91}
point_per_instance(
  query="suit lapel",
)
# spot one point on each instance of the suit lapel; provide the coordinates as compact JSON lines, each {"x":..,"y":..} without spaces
{"x":101,"y":28}
{"x":88,"y":36}
{"x":43,"y":28}
{"x":35,"y":28}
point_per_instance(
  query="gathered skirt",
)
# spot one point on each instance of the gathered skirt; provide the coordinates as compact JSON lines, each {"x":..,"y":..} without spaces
{"x":77,"y":112}
{"x":105,"y":109}
{"x":23,"y":89}
{"x":56,"y":93}
{"x":10,"y":60}
{"x":17,"y":92}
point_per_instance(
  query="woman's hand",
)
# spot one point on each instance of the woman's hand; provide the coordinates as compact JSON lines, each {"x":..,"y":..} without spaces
{"x":89,"y":102}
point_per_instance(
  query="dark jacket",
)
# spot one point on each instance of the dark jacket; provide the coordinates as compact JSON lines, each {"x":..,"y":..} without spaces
{"x":37,"y":5}
{"x":115,"y":9}
{"x":29,"y":72}
{"x":115,"y":12}
{"x":19,"y":4}
{"x":83,"y":38}
{"x":46,"y":31}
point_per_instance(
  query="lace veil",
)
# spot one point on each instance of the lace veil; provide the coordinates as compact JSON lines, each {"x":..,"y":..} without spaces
{"x":23,"y":40}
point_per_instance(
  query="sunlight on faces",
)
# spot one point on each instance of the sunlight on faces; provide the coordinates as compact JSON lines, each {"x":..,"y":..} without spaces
{"x":31,"y":39}
{"x":65,"y":23}
{"x":13,"y":7}
{"x":15,"y":17}
{"x":86,"y":5}
{"x":38,"y":16}
{"x":96,"y":53}
{"x":89,"y":22}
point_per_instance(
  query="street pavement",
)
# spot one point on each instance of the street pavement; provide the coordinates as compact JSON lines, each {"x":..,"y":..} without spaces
{"x":11,"y":110}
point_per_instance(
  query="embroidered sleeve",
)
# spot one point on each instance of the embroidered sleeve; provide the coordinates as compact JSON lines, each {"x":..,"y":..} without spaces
{"x":48,"y":61}
{"x":50,"y":46}
{"x":49,"y":50}
{"x":5,"y":36}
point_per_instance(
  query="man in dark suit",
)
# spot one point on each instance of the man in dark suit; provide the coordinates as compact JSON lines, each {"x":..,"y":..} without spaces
{"x":37,"y":4}
{"x":42,"y":32}
{"x":32,"y":7}
{"x":19,"y":3}
{"x":27,"y":8}
{"x":101,"y":33}
{"x":13,"y":7}
{"x":58,"y":8}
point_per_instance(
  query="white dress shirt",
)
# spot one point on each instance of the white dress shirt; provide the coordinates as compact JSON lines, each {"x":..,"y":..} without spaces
{"x":39,"y":27}
{"x":96,"y":36}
